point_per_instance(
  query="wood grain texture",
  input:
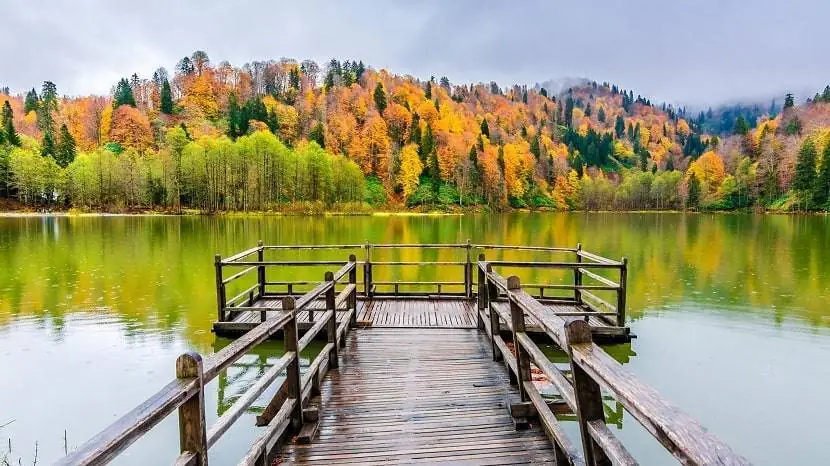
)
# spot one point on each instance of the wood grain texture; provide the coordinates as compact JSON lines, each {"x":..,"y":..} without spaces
{"x":393,"y":401}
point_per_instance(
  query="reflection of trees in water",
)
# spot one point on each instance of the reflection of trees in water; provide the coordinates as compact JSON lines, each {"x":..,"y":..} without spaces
{"x":155,"y":273}
{"x":234,"y":381}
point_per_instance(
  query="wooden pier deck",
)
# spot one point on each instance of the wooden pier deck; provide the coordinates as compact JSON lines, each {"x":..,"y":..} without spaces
{"x":390,"y":402}
{"x":416,"y":376}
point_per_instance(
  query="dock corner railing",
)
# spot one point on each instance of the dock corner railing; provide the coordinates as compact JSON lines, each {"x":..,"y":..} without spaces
{"x":592,"y":371}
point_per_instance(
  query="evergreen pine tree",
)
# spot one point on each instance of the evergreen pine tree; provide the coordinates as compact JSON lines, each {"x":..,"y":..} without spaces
{"x":166,"y":98}
{"x":31,"y":102}
{"x":694,"y":192}
{"x":9,"y":133}
{"x":619,"y":126}
{"x":669,"y":163}
{"x":427,"y":146}
{"x":485,"y":128}
{"x":741,"y":126}
{"x":588,"y":110}
{"x":273,"y":122}
{"x":317,"y":134}
{"x":804,"y":178}
{"x":789,"y":101}
{"x":821,"y":190}
{"x":123,"y":94}
{"x":535,"y":146}
{"x":48,"y":107}
{"x":569,"y":111}
{"x":825,"y":96}
{"x":380,"y":98}
{"x":601,"y":115}
{"x":428,"y":91}
{"x":415,"y":136}
{"x":47,"y":145}
{"x":65,"y":148}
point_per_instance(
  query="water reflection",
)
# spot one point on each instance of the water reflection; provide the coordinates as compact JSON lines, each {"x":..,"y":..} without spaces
{"x":101,"y":307}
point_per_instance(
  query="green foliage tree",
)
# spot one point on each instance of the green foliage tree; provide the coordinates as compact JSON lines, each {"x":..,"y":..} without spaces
{"x":693,"y":198}
{"x":318,"y":134}
{"x":65,"y":147}
{"x":123,"y":94}
{"x":619,"y":127}
{"x":47,"y":145}
{"x":48,"y":107}
{"x":166,"y":98}
{"x":380,"y":98}
{"x":821,"y":189}
{"x":569,"y":111}
{"x":741,"y":126}
{"x":7,"y":121}
{"x":601,"y":115}
{"x":485,"y":128}
{"x":31,"y":102}
{"x":789,"y":101}
{"x":804,"y":179}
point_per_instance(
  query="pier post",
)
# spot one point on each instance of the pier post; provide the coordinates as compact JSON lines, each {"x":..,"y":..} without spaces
{"x":468,"y":272}
{"x":588,"y":394}
{"x":495,"y":325}
{"x":621,"y":293}
{"x":367,"y":271}
{"x":481,"y":294}
{"x":220,"y":288}
{"x":292,"y":374}
{"x":578,"y":276}
{"x":192,"y":429}
{"x":353,"y":296}
{"x":331,"y":326}
{"x":260,"y":271}
{"x":517,"y":318}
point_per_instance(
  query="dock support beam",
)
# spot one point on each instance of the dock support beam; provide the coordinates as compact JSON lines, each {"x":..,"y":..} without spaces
{"x":220,"y":288}
{"x":293,"y":381}
{"x":578,"y":275}
{"x":588,"y":394}
{"x":481,"y":293}
{"x":192,"y":428}
{"x":622,"y":292}
{"x":331,"y":326}
{"x":517,"y":318}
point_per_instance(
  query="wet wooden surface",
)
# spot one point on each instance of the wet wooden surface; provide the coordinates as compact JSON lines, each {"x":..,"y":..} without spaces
{"x":392,"y":402}
{"x":410,"y":313}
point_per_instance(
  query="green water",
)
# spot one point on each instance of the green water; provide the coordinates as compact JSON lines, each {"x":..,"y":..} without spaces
{"x":732,"y":314}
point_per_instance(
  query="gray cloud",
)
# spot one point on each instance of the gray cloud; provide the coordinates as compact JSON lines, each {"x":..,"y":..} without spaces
{"x":698,"y":52}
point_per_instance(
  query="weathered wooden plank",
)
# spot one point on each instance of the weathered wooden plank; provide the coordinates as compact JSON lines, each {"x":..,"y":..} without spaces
{"x":681,"y":434}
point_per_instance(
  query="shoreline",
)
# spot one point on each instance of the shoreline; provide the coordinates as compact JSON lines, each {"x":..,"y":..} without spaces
{"x":380,"y":213}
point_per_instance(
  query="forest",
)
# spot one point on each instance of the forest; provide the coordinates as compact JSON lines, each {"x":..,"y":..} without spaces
{"x":283,"y":135}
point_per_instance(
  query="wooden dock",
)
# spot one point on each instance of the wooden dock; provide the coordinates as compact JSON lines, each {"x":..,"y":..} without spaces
{"x":390,"y":402}
{"x":441,"y":372}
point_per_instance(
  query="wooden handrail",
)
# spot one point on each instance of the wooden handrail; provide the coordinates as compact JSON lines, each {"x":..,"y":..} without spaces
{"x":242,"y":254}
{"x":186,"y":392}
{"x":592,"y":368}
{"x":122,"y":433}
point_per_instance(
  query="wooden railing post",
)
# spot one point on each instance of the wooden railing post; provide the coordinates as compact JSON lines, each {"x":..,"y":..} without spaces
{"x":331,"y":326}
{"x":192,"y":428}
{"x":367,"y":271}
{"x":220,"y":288}
{"x":481,"y":292}
{"x":621,"y":293}
{"x":578,"y":276}
{"x":495,"y":326}
{"x":468,"y":273}
{"x":588,"y":394}
{"x":260,"y":271}
{"x":292,"y":373}
{"x":517,"y":318}
{"x":353,"y":296}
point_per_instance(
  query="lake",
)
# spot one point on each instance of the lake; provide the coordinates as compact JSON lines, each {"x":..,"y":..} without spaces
{"x":732,"y":314}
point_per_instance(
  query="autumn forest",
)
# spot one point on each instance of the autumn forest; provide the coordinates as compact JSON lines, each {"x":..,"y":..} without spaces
{"x":303,"y":137}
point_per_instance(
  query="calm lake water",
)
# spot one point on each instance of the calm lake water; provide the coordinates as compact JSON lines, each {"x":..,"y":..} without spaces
{"x":732,"y":314}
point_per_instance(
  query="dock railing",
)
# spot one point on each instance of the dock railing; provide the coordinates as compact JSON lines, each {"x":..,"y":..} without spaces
{"x":592,"y":371}
{"x":186,"y":393}
{"x":586,"y":267}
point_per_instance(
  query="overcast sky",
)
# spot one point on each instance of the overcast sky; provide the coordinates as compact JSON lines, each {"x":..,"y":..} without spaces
{"x":704,"y":51}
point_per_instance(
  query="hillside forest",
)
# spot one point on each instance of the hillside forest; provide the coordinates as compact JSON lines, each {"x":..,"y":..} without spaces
{"x":297,"y":136}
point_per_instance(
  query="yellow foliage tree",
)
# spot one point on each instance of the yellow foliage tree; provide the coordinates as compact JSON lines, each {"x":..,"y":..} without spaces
{"x":411,"y":168}
{"x":708,"y":169}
